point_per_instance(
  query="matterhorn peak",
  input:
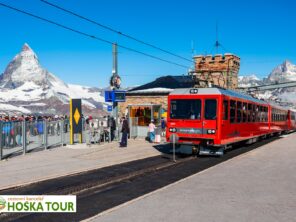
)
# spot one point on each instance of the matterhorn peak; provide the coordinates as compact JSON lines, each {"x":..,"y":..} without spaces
{"x":283,"y":73}
{"x":25,"y":67}
{"x":26,"y":47}
{"x":27,"y":53}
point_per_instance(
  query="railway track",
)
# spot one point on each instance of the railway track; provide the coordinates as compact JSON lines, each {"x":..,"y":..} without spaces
{"x":101,"y":189}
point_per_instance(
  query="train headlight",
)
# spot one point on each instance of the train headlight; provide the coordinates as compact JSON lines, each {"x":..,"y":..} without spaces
{"x":211,"y":131}
{"x":173,"y":130}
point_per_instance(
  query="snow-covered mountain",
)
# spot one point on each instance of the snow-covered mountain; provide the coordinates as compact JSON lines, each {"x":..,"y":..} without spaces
{"x":250,"y":80}
{"x":285,"y":72}
{"x":26,"y":87}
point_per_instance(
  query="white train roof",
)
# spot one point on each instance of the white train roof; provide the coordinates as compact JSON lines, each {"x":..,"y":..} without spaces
{"x":218,"y":91}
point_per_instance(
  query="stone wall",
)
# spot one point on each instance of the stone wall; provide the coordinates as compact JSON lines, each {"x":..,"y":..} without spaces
{"x":218,"y":70}
{"x":143,"y":99}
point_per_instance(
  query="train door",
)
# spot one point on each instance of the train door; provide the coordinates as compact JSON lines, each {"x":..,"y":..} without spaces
{"x":225,"y":124}
{"x":209,"y":122}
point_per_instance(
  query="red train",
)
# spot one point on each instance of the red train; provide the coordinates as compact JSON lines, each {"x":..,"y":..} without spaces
{"x":210,"y":120}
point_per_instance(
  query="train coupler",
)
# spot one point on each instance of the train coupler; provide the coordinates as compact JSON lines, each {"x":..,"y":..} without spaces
{"x":211,"y":151}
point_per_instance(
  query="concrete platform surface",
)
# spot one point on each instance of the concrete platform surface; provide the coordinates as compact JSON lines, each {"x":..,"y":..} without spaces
{"x":257,"y":186}
{"x":60,"y":161}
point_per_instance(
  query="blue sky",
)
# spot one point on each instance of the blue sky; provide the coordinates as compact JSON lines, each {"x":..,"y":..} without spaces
{"x":262,"y":33}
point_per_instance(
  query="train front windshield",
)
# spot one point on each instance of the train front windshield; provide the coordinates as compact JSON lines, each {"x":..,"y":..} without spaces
{"x":185,"y":109}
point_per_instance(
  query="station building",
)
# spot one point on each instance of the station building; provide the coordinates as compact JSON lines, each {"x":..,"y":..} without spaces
{"x":149,"y":101}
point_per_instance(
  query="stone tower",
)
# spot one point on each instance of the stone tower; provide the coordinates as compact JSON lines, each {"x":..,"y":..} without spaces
{"x":218,"y":70}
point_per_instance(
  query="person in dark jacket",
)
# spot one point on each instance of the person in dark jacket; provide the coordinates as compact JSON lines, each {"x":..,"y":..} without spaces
{"x":125,"y":132}
{"x":113,"y":128}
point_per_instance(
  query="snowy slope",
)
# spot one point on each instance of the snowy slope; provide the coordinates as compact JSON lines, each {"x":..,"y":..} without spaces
{"x":25,"y":80}
{"x":250,"y":80}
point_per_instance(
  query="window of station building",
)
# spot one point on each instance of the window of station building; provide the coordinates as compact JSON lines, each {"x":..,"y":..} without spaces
{"x":249,"y":112}
{"x":245,"y":115}
{"x":239,"y":112}
{"x":210,"y":109}
{"x":225,"y":110}
{"x":232,"y":111}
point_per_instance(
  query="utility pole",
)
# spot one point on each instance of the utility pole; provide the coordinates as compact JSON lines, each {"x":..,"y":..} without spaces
{"x":115,"y":76}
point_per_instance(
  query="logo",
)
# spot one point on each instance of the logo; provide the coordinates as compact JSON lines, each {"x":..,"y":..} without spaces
{"x":38,"y":204}
{"x":2,"y":203}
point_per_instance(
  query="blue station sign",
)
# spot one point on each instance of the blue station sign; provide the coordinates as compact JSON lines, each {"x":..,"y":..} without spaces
{"x":115,"y":96}
{"x":109,"y":108}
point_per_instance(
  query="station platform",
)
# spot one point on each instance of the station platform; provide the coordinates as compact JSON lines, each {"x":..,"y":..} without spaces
{"x":256,"y":186}
{"x":67,"y":160}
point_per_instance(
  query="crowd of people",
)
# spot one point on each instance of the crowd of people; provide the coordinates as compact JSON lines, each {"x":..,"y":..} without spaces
{"x":7,"y":118}
{"x":12,"y":128}
{"x":98,"y":131}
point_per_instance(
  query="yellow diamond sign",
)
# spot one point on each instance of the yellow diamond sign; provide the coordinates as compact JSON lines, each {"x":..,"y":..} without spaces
{"x":76,"y":116}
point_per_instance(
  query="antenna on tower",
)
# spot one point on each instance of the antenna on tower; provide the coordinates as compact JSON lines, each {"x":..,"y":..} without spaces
{"x":192,"y":52}
{"x":217,"y":43}
{"x":192,"y":48}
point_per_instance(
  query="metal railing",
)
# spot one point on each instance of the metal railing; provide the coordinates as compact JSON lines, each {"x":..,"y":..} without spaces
{"x":26,"y":136}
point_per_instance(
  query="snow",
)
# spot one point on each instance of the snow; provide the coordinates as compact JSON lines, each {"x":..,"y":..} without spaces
{"x":34,"y":104}
{"x":8,"y":107}
{"x":153,"y":90}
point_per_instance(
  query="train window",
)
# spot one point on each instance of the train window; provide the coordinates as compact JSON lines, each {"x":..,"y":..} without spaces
{"x":272,"y":115}
{"x":249,"y":112}
{"x":254,"y":113}
{"x":239,"y":112}
{"x":225,"y":110}
{"x":245,"y":112}
{"x":257,"y":117}
{"x":266,"y":114}
{"x":185,"y":109}
{"x":260,"y":113}
{"x":232,"y":110}
{"x":210,"y":109}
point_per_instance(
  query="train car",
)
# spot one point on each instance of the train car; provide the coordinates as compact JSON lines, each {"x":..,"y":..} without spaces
{"x":279,"y":119}
{"x":210,"y":120}
{"x":291,"y":121}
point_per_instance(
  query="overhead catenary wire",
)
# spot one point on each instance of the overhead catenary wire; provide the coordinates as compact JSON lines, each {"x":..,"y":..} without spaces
{"x":89,"y":35}
{"x":115,"y":31}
